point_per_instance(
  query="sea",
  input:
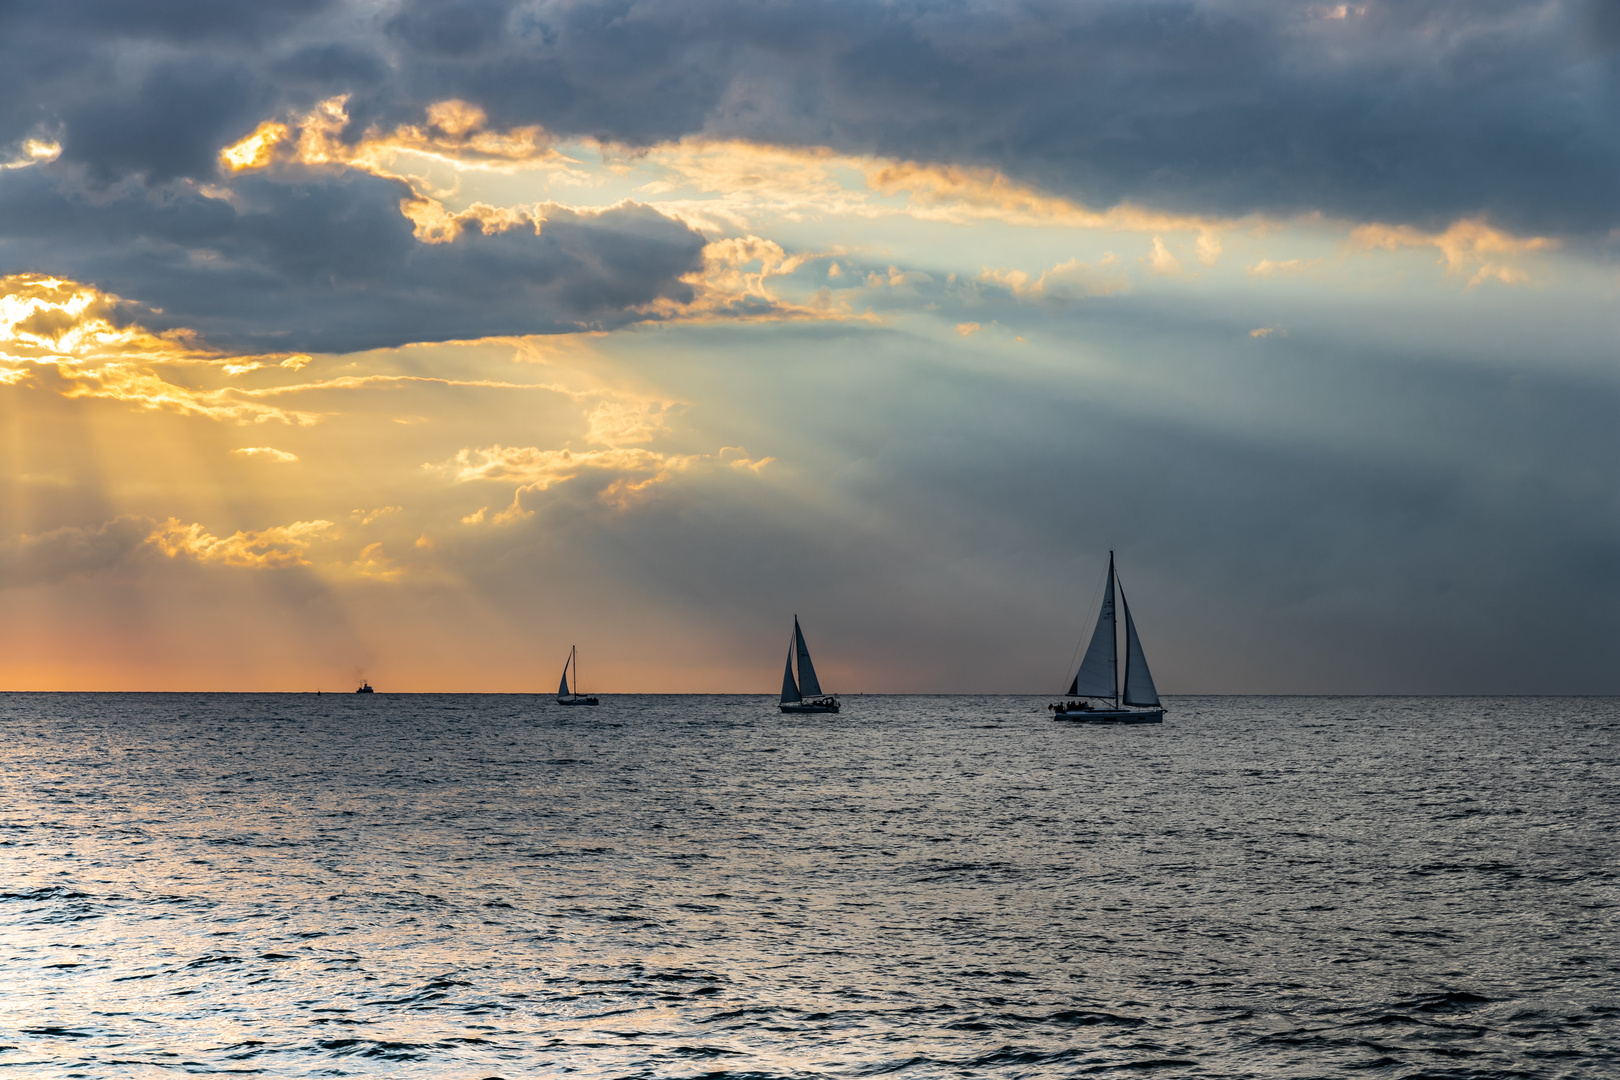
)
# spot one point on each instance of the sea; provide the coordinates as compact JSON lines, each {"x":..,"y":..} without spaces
{"x":467,"y":886}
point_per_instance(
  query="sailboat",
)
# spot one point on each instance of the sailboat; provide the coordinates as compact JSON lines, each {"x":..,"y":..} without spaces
{"x":803,"y":696}
{"x":1098,"y":676}
{"x":564,"y":697}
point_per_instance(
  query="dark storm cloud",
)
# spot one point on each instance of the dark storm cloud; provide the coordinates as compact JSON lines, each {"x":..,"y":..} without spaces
{"x":331,"y":264}
{"x":1402,"y":112}
{"x":1410,"y":112}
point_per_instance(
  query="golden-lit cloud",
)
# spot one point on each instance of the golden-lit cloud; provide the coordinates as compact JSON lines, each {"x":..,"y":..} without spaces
{"x":799,"y":182}
{"x":625,"y":472}
{"x":720,"y":186}
{"x":1268,"y":331}
{"x":368,"y":516}
{"x":33,"y":152}
{"x":266,"y":453}
{"x":627,"y":422}
{"x":275,"y":547}
{"x":539,"y":469}
{"x":967,"y":329}
{"x":254,"y":151}
{"x":734,"y":179}
{"x":1067,"y":281}
{"x":1160,"y":260}
{"x":454,"y":134}
{"x":70,"y":338}
{"x":733,"y":284}
{"x":376,"y":565}
{"x":1266,"y":268}
{"x":129,"y":540}
{"x":1469,"y":245}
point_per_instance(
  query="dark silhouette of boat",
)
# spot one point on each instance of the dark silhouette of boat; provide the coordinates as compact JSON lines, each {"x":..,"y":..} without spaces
{"x":564,"y":697}
{"x":365,"y":688}
{"x":803,"y":696}
{"x":1098,"y":677}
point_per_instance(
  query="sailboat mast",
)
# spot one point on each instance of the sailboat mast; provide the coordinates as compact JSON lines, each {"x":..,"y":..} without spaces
{"x":1113,"y":634}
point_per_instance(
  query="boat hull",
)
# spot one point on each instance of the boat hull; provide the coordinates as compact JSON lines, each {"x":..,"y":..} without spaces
{"x":810,"y":708}
{"x":576,"y":701}
{"x":1113,"y":716}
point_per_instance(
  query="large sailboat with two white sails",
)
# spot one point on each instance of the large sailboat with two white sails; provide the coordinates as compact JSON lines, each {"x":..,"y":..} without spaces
{"x":804,"y":694}
{"x":1094,"y":693}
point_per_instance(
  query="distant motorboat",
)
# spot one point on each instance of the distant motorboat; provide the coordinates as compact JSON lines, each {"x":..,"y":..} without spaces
{"x":564,"y":695}
{"x":803,"y":695}
{"x":365,"y":688}
{"x":1098,"y":676}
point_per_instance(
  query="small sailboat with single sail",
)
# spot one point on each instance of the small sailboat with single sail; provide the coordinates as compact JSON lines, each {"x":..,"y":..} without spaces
{"x":803,"y":695}
{"x":564,"y":696}
{"x":1097,"y":680}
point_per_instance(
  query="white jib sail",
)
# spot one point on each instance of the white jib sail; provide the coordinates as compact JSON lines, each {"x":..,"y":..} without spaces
{"x":1096,"y":677}
{"x":809,"y":686}
{"x":1139,"y":689}
{"x":562,"y":691}
{"x":790,"y":689}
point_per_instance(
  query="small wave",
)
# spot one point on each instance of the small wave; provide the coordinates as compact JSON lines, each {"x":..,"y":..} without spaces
{"x":49,"y":892}
{"x":1085,"y":1018}
{"x":373,"y":1048}
{"x":221,"y":958}
{"x":1449,"y":1001}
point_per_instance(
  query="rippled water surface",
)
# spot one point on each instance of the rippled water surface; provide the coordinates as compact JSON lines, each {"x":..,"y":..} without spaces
{"x":466,"y":886}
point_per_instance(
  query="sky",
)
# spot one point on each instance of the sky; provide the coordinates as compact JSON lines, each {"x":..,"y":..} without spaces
{"x":418,"y":342}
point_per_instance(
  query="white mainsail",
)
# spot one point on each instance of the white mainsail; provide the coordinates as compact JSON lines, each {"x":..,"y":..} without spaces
{"x":809,"y":686}
{"x":1097,"y":675}
{"x":1139,"y":688}
{"x":790,"y":689}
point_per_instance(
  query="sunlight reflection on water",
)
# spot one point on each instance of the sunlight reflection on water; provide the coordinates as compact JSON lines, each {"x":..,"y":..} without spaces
{"x":697,"y":886}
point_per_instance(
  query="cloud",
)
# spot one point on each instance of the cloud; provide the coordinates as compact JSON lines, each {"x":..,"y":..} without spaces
{"x":617,"y":423}
{"x":455,"y":132}
{"x":1266,"y":268}
{"x":61,"y":553}
{"x":323,"y":262}
{"x":745,"y":177}
{"x":52,"y":556}
{"x":1471,"y":245}
{"x":1406,"y":113}
{"x":81,"y":342}
{"x":620,"y":475}
{"x":368,"y":516}
{"x":1065,"y":283}
{"x":1160,"y":260}
{"x":260,"y":178}
{"x":373,"y":563}
{"x":968,"y":329}
{"x":279,"y":546}
{"x":268,"y":453}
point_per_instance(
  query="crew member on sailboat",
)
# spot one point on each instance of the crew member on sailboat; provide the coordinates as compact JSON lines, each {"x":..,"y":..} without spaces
{"x":1098,"y":675}
{"x":803,"y":696}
